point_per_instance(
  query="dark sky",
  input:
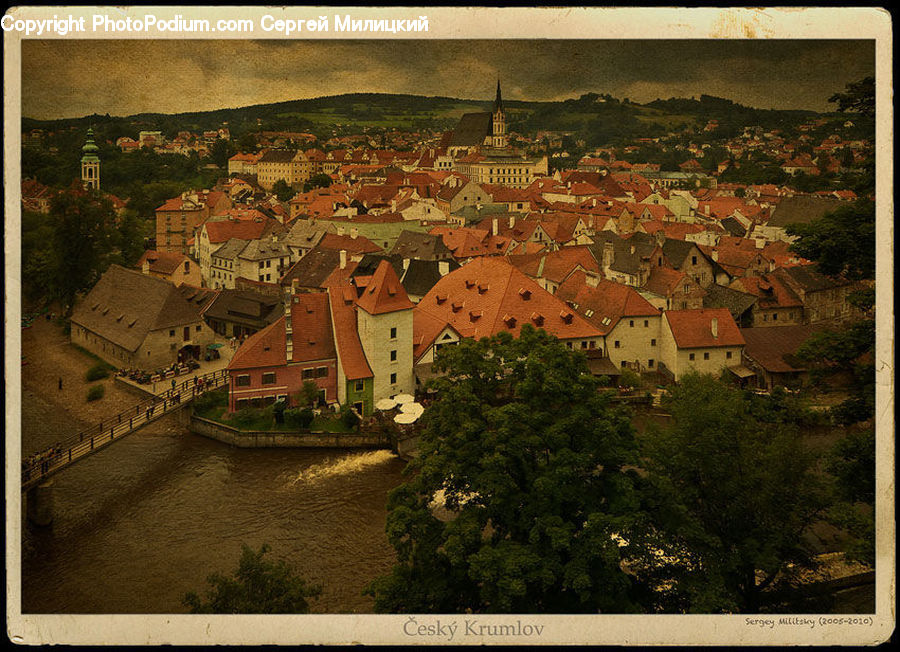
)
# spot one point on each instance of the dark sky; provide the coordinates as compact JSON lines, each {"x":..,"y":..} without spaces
{"x":70,"y":78}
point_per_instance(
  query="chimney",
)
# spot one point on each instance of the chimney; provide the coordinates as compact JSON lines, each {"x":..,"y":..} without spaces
{"x":406,"y":263}
{"x":443,"y":267}
{"x":715,"y":255}
{"x":343,"y":258}
{"x":495,"y":227}
{"x":660,"y":238}
{"x":354,"y":233}
{"x":145,"y":266}
{"x":608,"y":254}
{"x":340,"y":230}
{"x":393,"y":205}
{"x":714,"y":327}
{"x":632,"y":250}
{"x":512,"y":221}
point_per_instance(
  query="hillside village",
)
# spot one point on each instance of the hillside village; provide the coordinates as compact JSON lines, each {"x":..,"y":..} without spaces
{"x":352,"y":266}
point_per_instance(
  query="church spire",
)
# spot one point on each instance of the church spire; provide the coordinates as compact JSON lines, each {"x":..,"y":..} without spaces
{"x":498,"y":105}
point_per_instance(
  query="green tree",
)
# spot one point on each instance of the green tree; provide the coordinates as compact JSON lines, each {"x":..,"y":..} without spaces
{"x":317,"y":181}
{"x":308,"y":395}
{"x":82,"y":242}
{"x":521,"y":490}
{"x":859,"y":97}
{"x":258,"y":586}
{"x":221,"y":151}
{"x":841,"y":242}
{"x":282,"y":190}
{"x":735,"y":497}
{"x":247,"y":143}
{"x":852,"y":463}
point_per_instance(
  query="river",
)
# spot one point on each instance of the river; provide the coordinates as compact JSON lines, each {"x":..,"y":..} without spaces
{"x":148,"y":519}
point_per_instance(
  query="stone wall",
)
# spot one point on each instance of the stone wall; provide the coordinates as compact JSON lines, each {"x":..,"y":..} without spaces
{"x":260,"y":439}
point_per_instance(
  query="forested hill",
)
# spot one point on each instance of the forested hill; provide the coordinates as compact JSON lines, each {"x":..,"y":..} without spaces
{"x":598,"y":118}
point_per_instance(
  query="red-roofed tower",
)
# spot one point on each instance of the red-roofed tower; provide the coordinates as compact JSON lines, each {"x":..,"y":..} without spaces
{"x":385,"y":326}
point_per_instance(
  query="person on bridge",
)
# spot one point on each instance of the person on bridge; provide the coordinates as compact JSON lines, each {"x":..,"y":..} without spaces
{"x":173,"y":384}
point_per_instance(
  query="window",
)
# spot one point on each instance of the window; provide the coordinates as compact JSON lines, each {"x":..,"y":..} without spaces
{"x":393,"y":379}
{"x":617,"y":344}
{"x":774,"y":316}
{"x":646,"y":323}
{"x":321,"y":372}
{"x":268,"y":378}
{"x":650,"y":363}
{"x":653,"y":342}
{"x":631,"y":323}
{"x":623,"y":364}
{"x":172,"y":333}
{"x":693,"y":260}
{"x":309,"y":374}
{"x":198,"y":328}
{"x":583,"y":344}
{"x":394,"y":333}
{"x":393,"y":356}
{"x":691,"y":356}
{"x":568,"y":345}
{"x":359,"y":386}
{"x":686,"y":288}
{"x":728,"y":355}
{"x":706,"y":355}
{"x":242,"y":381}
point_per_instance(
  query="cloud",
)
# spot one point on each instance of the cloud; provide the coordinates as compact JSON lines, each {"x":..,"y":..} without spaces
{"x":68,"y":78}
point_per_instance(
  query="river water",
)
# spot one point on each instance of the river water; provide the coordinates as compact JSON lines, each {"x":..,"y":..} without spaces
{"x":143,"y":522}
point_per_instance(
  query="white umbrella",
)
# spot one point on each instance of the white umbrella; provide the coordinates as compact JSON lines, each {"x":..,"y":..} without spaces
{"x":405,"y":418}
{"x":386,"y":404}
{"x":412,"y":408}
{"x":404,"y":398}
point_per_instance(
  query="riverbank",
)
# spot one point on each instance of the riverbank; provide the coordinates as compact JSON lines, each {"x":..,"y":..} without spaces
{"x":47,"y":358}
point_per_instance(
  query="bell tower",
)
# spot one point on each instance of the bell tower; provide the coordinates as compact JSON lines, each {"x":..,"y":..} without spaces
{"x":90,"y":163}
{"x":498,"y":138}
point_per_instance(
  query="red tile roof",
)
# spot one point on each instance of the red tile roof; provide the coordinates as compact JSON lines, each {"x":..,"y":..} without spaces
{"x":311,"y":334}
{"x":384,"y":293}
{"x":605,"y":304}
{"x":342,"y":301}
{"x":224,"y":230}
{"x":663,"y":281}
{"x":265,"y":348}
{"x":161,"y":262}
{"x":311,"y":326}
{"x":489,"y":296}
{"x":692,"y":329}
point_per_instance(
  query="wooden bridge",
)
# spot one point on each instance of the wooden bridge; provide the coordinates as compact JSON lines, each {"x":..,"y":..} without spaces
{"x":39,"y":467}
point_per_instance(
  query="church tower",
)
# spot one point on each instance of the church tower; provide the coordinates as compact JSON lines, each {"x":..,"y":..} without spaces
{"x":90,"y":163}
{"x":498,"y":139}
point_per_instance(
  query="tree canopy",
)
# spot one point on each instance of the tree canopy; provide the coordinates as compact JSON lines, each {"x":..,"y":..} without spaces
{"x":257,"y":586}
{"x":521,"y":491}
{"x":735,"y":495}
{"x":859,"y":97}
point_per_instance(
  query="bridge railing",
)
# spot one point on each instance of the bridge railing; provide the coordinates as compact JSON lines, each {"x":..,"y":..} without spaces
{"x":46,"y":462}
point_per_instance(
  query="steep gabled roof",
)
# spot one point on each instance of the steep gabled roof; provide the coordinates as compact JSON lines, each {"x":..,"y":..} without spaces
{"x":472,"y":129}
{"x":125,"y":305}
{"x":350,"y":353}
{"x":384,"y":293}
